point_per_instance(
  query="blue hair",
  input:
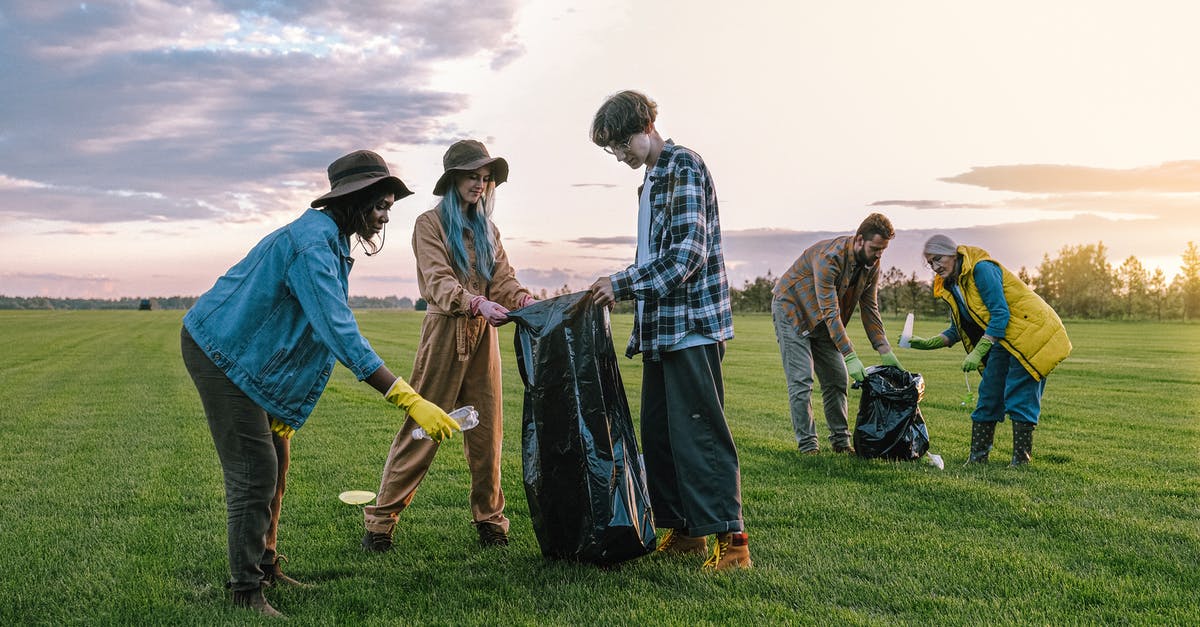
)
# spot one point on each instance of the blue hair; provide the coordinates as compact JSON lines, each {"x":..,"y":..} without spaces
{"x":453,"y":223}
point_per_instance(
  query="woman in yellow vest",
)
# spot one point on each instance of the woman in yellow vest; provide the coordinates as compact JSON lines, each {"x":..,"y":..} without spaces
{"x":1005,"y":326}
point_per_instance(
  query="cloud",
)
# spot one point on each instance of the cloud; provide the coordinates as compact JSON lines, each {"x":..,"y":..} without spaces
{"x":604,"y":185}
{"x":84,"y":231}
{"x":930,"y":204}
{"x":200,"y":109}
{"x":393,"y":278}
{"x":1170,"y":177}
{"x":620,"y":240}
{"x":51,"y":276}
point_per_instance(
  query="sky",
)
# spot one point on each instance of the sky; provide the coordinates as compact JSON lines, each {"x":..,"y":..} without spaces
{"x":146,"y":146}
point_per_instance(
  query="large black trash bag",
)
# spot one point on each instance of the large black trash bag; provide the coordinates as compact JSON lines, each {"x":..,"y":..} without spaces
{"x":583,"y":477}
{"x":889,"y":423}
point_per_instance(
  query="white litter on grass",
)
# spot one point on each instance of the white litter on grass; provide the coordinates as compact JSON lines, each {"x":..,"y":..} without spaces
{"x":906,"y":334}
{"x":935,"y":461}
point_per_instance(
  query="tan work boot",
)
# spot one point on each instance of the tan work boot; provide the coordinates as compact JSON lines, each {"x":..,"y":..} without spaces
{"x":254,"y":600}
{"x":731,"y":551}
{"x":677,"y":542}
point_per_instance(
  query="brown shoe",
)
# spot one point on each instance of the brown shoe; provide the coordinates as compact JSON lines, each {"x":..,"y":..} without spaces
{"x":273,"y":575}
{"x":491,"y":534}
{"x":843,"y":448}
{"x":254,"y":600}
{"x":377,"y":542}
{"x":678,"y":542}
{"x":731,"y":552}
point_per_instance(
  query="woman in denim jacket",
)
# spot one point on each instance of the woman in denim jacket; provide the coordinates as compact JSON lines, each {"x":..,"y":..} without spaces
{"x":261,"y":344}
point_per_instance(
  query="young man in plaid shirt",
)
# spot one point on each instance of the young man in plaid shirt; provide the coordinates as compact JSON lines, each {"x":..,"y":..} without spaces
{"x":812,"y":303}
{"x":683,"y":319}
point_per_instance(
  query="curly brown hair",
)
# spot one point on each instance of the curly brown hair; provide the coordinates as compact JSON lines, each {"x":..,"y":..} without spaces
{"x":622,"y":116}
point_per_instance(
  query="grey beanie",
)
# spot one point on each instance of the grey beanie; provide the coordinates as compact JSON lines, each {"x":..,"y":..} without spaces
{"x":940,"y":245}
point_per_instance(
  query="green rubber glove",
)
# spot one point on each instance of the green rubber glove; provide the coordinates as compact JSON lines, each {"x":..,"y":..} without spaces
{"x":922,"y":344}
{"x":889,"y":359}
{"x":854,"y":366}
{"x":430,"y":417}
{"x":975,"y":358}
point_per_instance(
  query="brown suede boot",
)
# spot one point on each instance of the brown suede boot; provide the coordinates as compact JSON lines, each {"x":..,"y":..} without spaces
{"x":678,"y":542}
{"x":273,"y":575}
{"x":731,"y":551}
{"x":254,"y":600}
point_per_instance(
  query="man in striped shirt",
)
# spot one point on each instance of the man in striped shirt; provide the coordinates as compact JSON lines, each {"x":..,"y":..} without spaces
{"x":812,"y":303}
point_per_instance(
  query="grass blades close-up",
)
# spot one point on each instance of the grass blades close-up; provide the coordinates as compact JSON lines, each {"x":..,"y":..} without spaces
{"x":112,"y":510}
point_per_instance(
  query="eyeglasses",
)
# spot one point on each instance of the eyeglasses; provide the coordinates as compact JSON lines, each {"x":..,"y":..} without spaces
{"x":623,"y":148}
{"x":935,"y":261}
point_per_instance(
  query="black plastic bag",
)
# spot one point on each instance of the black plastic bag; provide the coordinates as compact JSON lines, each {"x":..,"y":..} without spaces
{"x":582,"y":473}
{"x":889,"y":423}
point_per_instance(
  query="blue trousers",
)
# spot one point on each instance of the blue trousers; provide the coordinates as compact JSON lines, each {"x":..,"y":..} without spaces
{"x":1007,"y":388}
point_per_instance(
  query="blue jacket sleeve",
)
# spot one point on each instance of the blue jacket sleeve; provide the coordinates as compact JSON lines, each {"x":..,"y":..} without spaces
{"x":314,"y":279}
{"x":990,"y":282}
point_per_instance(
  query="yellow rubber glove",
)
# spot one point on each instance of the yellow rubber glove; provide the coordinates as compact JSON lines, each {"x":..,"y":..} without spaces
{"x":975,"y":358}
{"x":854,"y":366}
{"x":889,"y":359}
{"x":430,"y":417}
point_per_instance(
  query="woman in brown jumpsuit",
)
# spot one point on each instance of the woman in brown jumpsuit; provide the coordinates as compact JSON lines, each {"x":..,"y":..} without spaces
{"x":464,"y":275}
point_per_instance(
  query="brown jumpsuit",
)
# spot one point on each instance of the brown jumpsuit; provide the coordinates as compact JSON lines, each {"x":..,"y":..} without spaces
{"x":457,"y":363}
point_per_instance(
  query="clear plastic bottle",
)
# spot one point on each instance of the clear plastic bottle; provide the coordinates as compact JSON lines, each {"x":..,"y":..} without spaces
{"x":465,"y":416}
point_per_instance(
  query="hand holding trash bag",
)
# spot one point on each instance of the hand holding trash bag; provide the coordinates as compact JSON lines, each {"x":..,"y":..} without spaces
{"x":923,"y":344}
{"x":495,"y":313}
{"x":889,"y":359}
{"x":430,"y":417}
{"x":975,"y":358}
{"x":854,"y":366}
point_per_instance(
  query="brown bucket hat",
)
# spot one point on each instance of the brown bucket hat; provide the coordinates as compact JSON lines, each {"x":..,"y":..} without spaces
{"x":467,"y":155}
{"x":359,"y":170}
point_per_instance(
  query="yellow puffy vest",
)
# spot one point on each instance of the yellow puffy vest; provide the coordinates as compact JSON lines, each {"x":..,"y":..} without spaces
{"x":1035,"y":335}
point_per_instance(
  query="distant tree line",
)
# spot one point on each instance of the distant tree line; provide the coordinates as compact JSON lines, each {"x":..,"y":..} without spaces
{"x":1078,"y":283}
{"x":169,"y":302}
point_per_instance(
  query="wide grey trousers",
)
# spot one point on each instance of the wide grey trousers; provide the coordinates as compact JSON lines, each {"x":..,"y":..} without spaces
{"x":804,"y":355}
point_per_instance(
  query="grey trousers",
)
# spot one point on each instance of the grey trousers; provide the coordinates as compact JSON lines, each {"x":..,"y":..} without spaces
{"x":254,"y":462}
{"x":692,"y":471}
{"x":802,"y":356}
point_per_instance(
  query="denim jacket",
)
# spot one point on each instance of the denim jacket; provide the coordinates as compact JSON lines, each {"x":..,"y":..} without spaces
{"x":277,"y":320}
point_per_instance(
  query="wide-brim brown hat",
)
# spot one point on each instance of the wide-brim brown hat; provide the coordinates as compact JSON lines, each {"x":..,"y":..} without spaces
{"x":357,"y":171}
{"x":467,"y":155}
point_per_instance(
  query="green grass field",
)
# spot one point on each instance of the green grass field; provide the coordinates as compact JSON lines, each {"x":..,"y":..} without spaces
{"x":111,"y":506}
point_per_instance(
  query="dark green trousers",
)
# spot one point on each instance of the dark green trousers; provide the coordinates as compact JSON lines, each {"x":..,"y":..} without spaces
{"x":254,"y":464}
{"x":692,"y":471}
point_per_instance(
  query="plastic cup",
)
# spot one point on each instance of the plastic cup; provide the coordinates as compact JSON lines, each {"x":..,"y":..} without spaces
{"x":465,"y":416}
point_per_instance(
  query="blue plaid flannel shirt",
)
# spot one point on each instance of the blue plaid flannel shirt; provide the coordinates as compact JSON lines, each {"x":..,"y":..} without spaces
{"x":684,"y":284}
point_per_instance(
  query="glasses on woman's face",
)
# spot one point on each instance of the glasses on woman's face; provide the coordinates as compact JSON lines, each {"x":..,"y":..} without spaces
{"x":935,"y":261}
{"x":622,"y":148}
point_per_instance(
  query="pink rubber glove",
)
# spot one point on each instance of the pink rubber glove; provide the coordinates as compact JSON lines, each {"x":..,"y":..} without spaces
{"x":528,"y":300}
{"x":494,"y":313}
